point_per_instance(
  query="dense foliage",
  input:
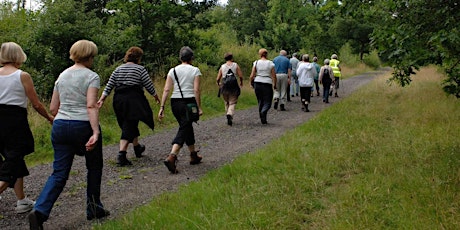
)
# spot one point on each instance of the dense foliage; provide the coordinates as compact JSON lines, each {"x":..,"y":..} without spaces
{"x":406,"y":34}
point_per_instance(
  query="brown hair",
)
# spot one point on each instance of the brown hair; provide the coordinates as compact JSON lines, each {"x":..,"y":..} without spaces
{"x":228,"y":56}
{"x":134,"y":54}
{"x":263,"y":52}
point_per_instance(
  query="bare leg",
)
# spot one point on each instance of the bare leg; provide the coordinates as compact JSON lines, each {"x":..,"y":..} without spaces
{"x":19,"y":189}
{"x":124,"y":145}
{"x":3,"y":186}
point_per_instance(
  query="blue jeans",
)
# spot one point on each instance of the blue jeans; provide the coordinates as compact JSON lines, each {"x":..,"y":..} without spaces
{"x":69,"y":138}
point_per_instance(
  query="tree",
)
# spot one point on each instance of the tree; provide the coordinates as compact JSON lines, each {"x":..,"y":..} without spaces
{"x":415,"y":33}
{"x":285,"y":23}
{"x":247,"y":17}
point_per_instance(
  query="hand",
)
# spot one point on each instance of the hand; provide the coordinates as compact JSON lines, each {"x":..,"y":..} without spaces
{"x":161,"y":113}
{"x":157,"y":100}
{"x":51,"y":119}
{"x":274,"y":87}
{"x":99,"y":103}
{"x":92,"y":142}
{"x":200,"y":111}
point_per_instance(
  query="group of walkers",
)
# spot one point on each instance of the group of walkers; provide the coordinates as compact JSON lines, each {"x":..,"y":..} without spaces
{"x":278,"y":80}
{"x":74,"y":112}
{"x":74,"y":115}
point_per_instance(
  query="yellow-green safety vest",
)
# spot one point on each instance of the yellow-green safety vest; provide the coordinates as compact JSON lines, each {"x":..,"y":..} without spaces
{"x":334,"y":63}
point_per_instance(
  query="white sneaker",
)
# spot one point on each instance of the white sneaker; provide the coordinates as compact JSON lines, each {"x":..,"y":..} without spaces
{"x":25,"y":205}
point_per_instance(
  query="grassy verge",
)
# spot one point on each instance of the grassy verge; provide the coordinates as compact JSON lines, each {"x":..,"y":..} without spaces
{"x":384,"y":158}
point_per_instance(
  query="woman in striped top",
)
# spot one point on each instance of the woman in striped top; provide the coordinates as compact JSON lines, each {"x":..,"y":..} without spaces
{"x":129,"y":102}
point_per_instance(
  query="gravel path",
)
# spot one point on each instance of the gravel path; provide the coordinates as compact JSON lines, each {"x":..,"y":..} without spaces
{"x":129,"y":187}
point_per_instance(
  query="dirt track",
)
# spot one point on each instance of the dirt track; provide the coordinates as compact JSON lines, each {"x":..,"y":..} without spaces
{"x":126,"y":188}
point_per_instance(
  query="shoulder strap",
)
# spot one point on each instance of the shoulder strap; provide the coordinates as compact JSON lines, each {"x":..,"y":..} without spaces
{"x":175,"y":75}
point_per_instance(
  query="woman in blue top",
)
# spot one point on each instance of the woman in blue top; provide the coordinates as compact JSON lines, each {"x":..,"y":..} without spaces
{"x":75,"y":131}
{"x":184,"y":83}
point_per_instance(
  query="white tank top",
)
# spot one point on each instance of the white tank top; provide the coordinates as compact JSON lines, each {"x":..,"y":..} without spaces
{"x":12,"y":91}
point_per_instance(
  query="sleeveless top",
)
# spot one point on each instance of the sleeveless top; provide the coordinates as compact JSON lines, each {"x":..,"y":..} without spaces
{"x":224,"y":67}
{"x":12,"y":91}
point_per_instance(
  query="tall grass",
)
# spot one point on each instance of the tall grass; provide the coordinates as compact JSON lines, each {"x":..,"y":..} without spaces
{"x":384,"y":158}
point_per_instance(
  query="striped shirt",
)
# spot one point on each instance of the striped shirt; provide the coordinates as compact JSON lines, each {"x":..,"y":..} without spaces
{"x":129,"y":75}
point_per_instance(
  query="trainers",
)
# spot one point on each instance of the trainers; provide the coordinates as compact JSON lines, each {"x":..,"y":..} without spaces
{"x":25,"y":205}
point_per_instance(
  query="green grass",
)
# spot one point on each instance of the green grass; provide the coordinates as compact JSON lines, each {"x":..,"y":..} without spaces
{"x":385,"y":158}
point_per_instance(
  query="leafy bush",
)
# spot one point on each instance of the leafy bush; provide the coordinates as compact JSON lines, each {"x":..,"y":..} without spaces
{"x":372,"y":59}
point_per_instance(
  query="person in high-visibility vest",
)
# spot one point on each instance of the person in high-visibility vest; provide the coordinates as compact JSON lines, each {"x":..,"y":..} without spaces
{"x":334,"y":64}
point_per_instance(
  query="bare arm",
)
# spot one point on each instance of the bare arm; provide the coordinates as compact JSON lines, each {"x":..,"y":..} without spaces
{"x":253,"y":75}
{"x":196,"y":89}
{"x":219,"y":76}
{"x":166,"y":90}
{"x":93,"y":114}
{"x":240,"y":74}
{"x":274,"y":78}
{"x":55,"y":103}
{"x":29,"y":89}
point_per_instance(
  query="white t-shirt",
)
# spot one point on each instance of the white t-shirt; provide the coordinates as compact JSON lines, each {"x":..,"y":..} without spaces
{"x":12,"y":91}
{"x":264,"y":71}
{"x":186,"y":75}
{"x":72,"y":86}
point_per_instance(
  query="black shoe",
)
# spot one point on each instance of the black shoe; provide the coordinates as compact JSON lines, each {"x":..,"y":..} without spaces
{"x":330,"y":93}
{"x":275,"y":105}
{"x":122,"y":160}
{"x":336,"y":95}
{"x":229,"y":120}
{"x":317,"y":94}
{"x":100,"y":214}
{"x":138,"y":150}
{"x":297,"y":94}
{"x":282,"y":107}
{"x":35,"y":220}
{"x":292,"y":95}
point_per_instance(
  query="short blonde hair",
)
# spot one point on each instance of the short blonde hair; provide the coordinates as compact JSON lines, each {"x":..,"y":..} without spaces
{"x":11,"y":52}
{"x":82,"y":50}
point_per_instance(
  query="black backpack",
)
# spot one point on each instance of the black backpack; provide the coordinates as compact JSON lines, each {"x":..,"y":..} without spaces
{"x":326,"y":75}
{"x":230,"y":83}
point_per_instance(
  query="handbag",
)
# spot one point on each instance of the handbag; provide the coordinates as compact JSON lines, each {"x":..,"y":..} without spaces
{"x":192,"y":113}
